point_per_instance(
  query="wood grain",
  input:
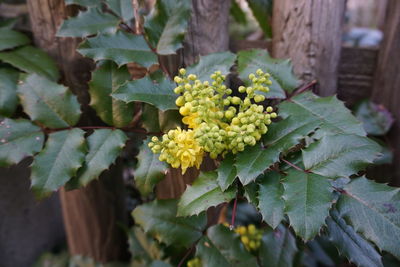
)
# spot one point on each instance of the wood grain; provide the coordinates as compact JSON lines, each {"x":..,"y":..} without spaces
{"x":386,"y":89}
{"x":91,"y":214}
{"x":309,"y":32}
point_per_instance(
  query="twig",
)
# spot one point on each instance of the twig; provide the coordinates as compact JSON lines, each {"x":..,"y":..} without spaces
{"x":294,"y":166}
{"x":135,"y":6}
{"x":304,"y":88}
{"x":187,"y":254}
{"x":233,"y":214}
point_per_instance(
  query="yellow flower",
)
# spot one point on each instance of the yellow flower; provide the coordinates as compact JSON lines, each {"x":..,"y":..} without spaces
{"x":190,"y":120}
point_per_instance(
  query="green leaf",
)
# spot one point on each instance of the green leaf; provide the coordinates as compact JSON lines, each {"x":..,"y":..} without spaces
{"x":89,"y":22}
{"x":237,"y":13}
{"x":58,"y":162}
{"x":211,"y":63}
{"x":145,"y":90}
{"x":373,"y":210}
{"x":32,"y":60}
{"x":18,"y":139}
{"x":281,"y":72}
{"x":8,"y":23}
{"x":150,"y":170}
{"x":150,"y":118}
{"x":105,"y":145}
{"x":226,"y":172}
{"x":8,"y":91}
{"x":142,"y":247}
{"x":262,"y":11}
{"x":278,"y":248}
{"x":86,"y":3}
{"x":105,"y":80}
{"x":270,"y":201}
{"x":308,"y":198}
{"x":203,"y":194}
{"x":123,"y":8}
{"x":48,"y":103}
{"x":11,"y":39}
{"x":350,"y":244}
{"x":376,"y":119}
{"x":331,"y":114}
{"x":280,"y":138}
{"x":120,"y":47}
{"x":158,"y":218}
{"x":223,"y":248}
{"x":167,"y":26}
{"x":337,"y":156}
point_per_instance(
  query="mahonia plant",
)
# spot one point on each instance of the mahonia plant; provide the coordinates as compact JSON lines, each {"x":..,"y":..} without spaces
{"x":217,"y":122}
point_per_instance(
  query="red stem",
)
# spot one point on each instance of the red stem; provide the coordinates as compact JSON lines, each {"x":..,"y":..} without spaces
{"x":233,"y":213}
{"x":294,"y":166}
{"x":186,"y":255}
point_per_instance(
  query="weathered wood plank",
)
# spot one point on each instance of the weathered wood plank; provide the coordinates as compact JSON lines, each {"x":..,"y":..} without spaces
{"x":309,"y":32}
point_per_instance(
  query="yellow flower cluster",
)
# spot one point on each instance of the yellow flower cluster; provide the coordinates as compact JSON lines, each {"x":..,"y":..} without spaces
{"x":250,"y":236}
{"x":218,"y":122}
{"x":195,"y":262}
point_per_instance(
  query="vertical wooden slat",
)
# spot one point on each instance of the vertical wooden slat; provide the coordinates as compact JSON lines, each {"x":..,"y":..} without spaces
{"x":91,"y":214}
{"x":309,"y":33}
{"x":386,"y":89}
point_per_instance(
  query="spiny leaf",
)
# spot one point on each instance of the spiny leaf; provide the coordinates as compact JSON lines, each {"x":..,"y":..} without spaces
{"x":203,"y":194}
{"x":123,"y":8}
{"x":48,"y":103}
{"x":105,"y":80}
{"x":89,"y":22}
{"x":142,"y":247}
{"x":150,"y":118}
{"x":237,"y":13}
{"x":376,"y":119}
{"x":308,"y":198}
{"x":278,"y":248}
{"x":8,"y":91}
{"x":270,"y":201}
{"x":32,"y":60}
{"x":374,"y":211}
{"x":207,"y":65}
{"x":158,"y":218}
{"x":226,"y":172}
{"x":282,"y":76}
{"x":104,"y":147}
{"x":18,"y":139}
{"x":150,"y":170}
{"x":280,"y":138}
{"x":58,"y":162}
{"x":223,"y":248}
{"x":120,"y":47}
{"x":262,"y":11}
{"x":11,"y":39}
{"x":86,"y":3}
{"x":331,"y":114}
{"x":350,"y":244}
{"x":145,"y":90}
{"x":337,"y":156}
{"x":166,"y":27}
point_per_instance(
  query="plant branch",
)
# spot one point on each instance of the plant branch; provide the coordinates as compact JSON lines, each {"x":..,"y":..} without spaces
{"x":295,"y":166}
{"x":188,"y":252}
{"x":304,"y":88}
{"x":233,"y":213}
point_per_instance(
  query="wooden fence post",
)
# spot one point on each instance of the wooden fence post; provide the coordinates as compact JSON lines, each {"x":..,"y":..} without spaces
{"x":386,"y":88}
{"x":91,"y":214}
{"x":309,"y":32}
